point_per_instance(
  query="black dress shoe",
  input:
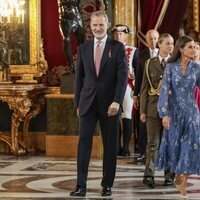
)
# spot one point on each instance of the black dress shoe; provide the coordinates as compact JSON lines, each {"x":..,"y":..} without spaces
{"x":149,"y":181}
{"x":141,"y":158}
{"x":168,"y":182}
{"x":119,"y":152}
{"x":78,"y":192}
{"x":106,"y":191}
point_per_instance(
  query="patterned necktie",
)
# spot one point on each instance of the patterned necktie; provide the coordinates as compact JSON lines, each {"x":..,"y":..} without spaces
{"x":163,"y":63}
{"x":98,"y":55}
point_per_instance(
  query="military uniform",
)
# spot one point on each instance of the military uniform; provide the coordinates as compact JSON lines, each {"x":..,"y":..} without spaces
{"x":128,"y":100}
{"x":127,"y":106}
{"x":151,"y":85}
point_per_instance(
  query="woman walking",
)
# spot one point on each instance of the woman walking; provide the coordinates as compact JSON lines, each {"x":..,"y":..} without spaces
{"x":180,"y":146}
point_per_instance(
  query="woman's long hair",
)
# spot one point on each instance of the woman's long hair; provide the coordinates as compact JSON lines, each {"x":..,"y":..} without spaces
{"x":180,"y":43}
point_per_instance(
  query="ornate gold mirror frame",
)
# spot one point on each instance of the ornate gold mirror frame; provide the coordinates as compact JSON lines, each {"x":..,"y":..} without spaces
{"x":37,"y":65}
{"x":196,"y":15}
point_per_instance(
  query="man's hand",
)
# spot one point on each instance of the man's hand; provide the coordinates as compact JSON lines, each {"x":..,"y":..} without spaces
{"x":166,"y":122}
{"x":143,"y":117}
{"x":136,"y":102}
{"x":113,"y":109}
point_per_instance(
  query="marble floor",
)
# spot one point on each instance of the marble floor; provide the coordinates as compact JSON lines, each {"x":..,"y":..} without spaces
{"x":41,"y":177}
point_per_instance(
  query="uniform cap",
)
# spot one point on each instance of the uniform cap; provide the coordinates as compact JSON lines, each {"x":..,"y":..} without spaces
{"x":121,"y":28}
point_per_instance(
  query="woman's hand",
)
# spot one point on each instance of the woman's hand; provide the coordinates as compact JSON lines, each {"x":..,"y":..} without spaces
{"x":166,"y":122}
{"x":143,"y":117}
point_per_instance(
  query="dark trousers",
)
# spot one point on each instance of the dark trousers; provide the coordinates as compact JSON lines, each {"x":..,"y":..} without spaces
{"x":142,"y":138}
{"x":141,"y":133}
{"x":109,"y":131}
{"x":125,"y":132}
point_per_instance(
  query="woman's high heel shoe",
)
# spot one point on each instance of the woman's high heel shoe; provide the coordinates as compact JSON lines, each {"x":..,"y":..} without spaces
{"x":178,"y":182}
{"x":184,"y":185}
{"x":181,"y":184}
{"x":184,"y":196}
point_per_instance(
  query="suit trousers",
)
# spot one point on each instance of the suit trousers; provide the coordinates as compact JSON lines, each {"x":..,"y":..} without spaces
{"x":141,"y":133}
{"x":154,"y":132}
{"x":109,"y":132}
{"x":142,"y":138}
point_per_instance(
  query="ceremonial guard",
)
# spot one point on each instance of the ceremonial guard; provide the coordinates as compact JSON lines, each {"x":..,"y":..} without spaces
{"x":120,"y":33}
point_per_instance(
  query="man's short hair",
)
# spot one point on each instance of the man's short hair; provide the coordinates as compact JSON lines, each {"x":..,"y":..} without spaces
{"x":98,"y":14}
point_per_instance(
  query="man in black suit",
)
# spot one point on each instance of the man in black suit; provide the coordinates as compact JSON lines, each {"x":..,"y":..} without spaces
{"x":99,"y":93}
{"x":150,"y":52}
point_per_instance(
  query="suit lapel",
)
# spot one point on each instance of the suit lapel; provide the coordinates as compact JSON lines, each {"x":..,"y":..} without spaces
{"x":148,"y":54}
{"x":106,"y":54}
{"x":91,"y":56}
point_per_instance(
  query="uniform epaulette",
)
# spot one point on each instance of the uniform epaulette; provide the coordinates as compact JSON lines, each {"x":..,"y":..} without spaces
{"x":154,"y":58}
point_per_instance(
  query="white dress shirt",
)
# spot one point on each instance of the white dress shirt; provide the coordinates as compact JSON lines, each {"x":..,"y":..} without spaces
{"x":154,"y":52}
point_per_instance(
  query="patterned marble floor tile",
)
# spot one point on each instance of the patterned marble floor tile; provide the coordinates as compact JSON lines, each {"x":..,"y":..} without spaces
{"x":5,"y":164}
{"x":40,"y":177}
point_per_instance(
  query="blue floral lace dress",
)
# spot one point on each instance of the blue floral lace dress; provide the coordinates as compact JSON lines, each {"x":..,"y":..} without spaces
{"x":180,"y":145}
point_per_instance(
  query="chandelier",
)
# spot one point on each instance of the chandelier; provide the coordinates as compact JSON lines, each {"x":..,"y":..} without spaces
{"x":11,"y":34}
{"x":12,"y":11}
{"x":11,"y":18}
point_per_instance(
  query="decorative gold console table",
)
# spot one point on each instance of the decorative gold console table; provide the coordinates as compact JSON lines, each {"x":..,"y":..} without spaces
{"x":25,"y":101}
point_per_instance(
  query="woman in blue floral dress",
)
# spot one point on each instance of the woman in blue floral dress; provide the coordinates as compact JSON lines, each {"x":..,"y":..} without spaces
{"x":180,"y":145}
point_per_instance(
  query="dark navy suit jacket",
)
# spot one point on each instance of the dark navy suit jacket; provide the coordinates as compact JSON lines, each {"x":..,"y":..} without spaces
{"x":143,"y":56}
{"x":109,"y":86}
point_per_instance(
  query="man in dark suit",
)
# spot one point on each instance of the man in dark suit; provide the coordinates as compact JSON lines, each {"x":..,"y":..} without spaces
{"x":99,"y":93}
{"x":150,"y":52}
